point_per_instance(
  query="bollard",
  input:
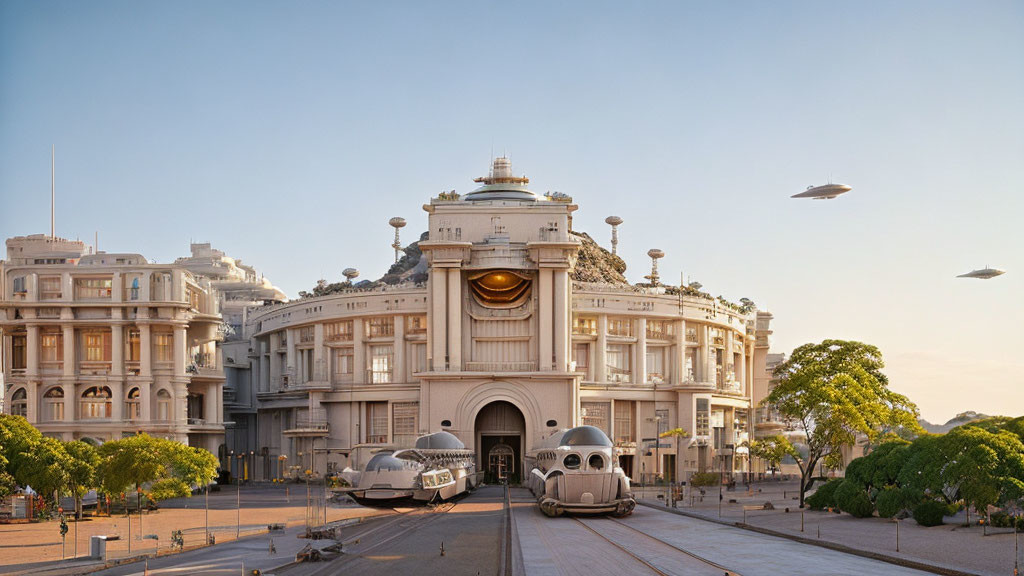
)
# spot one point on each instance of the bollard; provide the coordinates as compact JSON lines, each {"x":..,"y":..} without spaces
{"x":819,"y":531}
{"x":801,"y":519}
{"x":897,"y":534}
{"x":442,"y":548}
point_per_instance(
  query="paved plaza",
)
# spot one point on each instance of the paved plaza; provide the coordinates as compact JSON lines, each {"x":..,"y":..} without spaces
{"x":476,"y":530}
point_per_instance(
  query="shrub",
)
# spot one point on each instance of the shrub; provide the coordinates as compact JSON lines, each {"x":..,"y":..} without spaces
{"x":846,"y":492}
{"x":859,"y":506}
{"x":929,"y":513}
{"x":824,"y":497}
{"x":889,"y":502}
{"x":702,"y":479}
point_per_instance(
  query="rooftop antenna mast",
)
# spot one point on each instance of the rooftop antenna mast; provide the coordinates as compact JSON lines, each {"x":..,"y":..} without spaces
{"x":397,"y":223}
{"x":614,"y":221}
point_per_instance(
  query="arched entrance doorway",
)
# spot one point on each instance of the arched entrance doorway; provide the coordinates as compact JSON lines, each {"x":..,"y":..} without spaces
{"x":500,"y":431}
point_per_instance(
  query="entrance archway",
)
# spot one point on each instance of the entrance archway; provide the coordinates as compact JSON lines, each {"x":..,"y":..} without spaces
{"x":500,"y":431}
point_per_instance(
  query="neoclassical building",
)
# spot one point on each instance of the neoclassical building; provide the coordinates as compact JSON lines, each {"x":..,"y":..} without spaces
{"x":101,"y":345}
{"x":502,"y":326}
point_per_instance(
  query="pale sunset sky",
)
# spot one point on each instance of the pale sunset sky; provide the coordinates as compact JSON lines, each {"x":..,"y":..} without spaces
{"x":288,"y":133}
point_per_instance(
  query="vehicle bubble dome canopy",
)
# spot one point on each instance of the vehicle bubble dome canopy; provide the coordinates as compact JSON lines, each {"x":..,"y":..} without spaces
{"x":440,"y":441}
{"x":383,"y":462}
{"x":585,"y":436}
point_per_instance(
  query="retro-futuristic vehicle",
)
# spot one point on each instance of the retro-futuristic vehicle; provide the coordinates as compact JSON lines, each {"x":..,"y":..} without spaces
{"x":438,"y":468}
{"x":580,"y":475}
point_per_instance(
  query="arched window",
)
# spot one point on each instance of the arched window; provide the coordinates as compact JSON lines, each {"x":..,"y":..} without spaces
{"x":163,"y":406}
{"x":95,"y":403}
{"x":53,"y":401}
{"x":19,"y":403}
{"x":132,"y":404}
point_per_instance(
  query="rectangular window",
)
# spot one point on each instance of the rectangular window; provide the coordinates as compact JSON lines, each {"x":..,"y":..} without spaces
{"x":661,"y":415}
{"x":581,"y":355}
{"x":49,"y":288}
{"x":377,"y":422}
{"x":92,"y":288}
{"x":660,"y":329}
{"x":19,"y":285}
{"x":55,"y":410}
{"x":343,"y":361}
{"x":51,"y":346}
{"x":306,"y":335}
{"x":691,"y":335}
{"x":618,"y":367}
{"x":381,"y":359}
{"x":656,"y":365}
{"x":620,"y":327}
{"x":595,"y":414}
{"x":19,"y":360}
{"x":164,"y":342}
{"x":703,"y":418}
{"x":338,"y":331}
{"x":404,"y":417}
{"x":97,"y":346}
{"x":380,"y":327}
{"x":132,"y":345}
{"x":416,"y":324}
{"x":584,"y":326}
{"x":419,"y":354}
{"x":624,"y":421}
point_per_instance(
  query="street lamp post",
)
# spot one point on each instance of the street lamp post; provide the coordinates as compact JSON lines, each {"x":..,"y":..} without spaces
{"x":207,"y":512}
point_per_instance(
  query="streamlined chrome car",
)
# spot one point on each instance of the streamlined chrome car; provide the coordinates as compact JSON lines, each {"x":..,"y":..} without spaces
{"x":438,"y":468}
{"x":581,"y":475}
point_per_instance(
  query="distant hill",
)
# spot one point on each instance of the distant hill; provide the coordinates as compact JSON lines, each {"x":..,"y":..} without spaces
{"x":958,"y":420}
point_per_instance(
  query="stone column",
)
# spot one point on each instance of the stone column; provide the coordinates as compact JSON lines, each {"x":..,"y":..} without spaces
{"x":730,"y":356}
{"x":210,"y":403}
{"x":32,"y":350}
{"x":438,"y":311}
{"x":561,"y":320}
{"x":117,"y":349}
{"x":398,"y":369}
{"x":545,"y":329}
{"x":116,"y":288}
{"x":144,"y":287}
{"x":319,"y":363}
{"x":358,"y":352}
{"x":291,"y":363}
{"x":179,"y":351}
{"x":33,"y":401}
{"x":455,"y":319}
{"x":703,"y":353}
{"x":69,"y":351}
{"x":67,"y":287}
{"x":116,"y":399}
{"x":601,"y":354}
{"x":145,"y":351}
{"x":70,"y":400}
{"x":275,"y":358}
{"x":640,"y":369}
{"x":680,"y":356}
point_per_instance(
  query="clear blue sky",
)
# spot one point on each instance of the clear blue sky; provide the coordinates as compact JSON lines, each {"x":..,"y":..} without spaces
{"x":288,"y":133}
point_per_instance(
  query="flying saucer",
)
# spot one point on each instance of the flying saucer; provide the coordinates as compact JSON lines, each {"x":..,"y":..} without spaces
{"x":985,"y":273}
{"x":826,"y":192}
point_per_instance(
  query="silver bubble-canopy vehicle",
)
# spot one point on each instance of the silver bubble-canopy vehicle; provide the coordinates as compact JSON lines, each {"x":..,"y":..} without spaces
{"x":581,"y":476}
{"x":438,"y":468}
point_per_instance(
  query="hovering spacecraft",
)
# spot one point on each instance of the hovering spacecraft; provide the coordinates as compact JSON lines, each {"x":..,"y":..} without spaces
{"x":826,"y":192}
{"x":985,"y":273}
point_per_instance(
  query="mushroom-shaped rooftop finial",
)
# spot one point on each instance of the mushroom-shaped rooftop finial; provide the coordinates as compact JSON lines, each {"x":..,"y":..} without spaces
{"x":614,"y":221}
{"x":350,"y":273}
{"x":397,"y":223}
{"x":655,"y":254}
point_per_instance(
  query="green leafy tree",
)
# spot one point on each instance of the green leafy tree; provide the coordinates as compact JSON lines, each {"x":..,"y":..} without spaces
{"x":17,"y":438}
{"x":7,"y":483}
{"x":45,"y":468}
{"x":772,"y":449}
{"x":986,"y":467}
{"x":170,"y":468}
{"x":833,"y":392}
{"x":926,"y":458}
{"x":81,"y":472}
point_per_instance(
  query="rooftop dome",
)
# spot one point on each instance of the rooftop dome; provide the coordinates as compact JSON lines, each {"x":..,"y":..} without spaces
{"x":500,"y":184}
{"x":585,"y":436}
{"x":439,"y":441}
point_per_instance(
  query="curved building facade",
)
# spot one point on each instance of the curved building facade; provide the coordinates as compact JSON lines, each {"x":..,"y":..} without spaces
{"x":503,"y":345}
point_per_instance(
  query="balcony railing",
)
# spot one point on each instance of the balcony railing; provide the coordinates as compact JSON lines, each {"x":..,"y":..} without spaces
{"x":501,"y":366}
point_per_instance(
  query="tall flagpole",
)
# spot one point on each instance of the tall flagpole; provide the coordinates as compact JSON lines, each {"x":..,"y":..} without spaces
{"x":52,"y":195}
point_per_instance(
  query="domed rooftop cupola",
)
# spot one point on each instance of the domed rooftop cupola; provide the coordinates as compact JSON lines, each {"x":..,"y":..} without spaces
{"x":500,"y":184}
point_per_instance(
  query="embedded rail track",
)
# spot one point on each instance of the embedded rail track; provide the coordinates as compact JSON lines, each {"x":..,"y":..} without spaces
{"x":654,"y":557}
